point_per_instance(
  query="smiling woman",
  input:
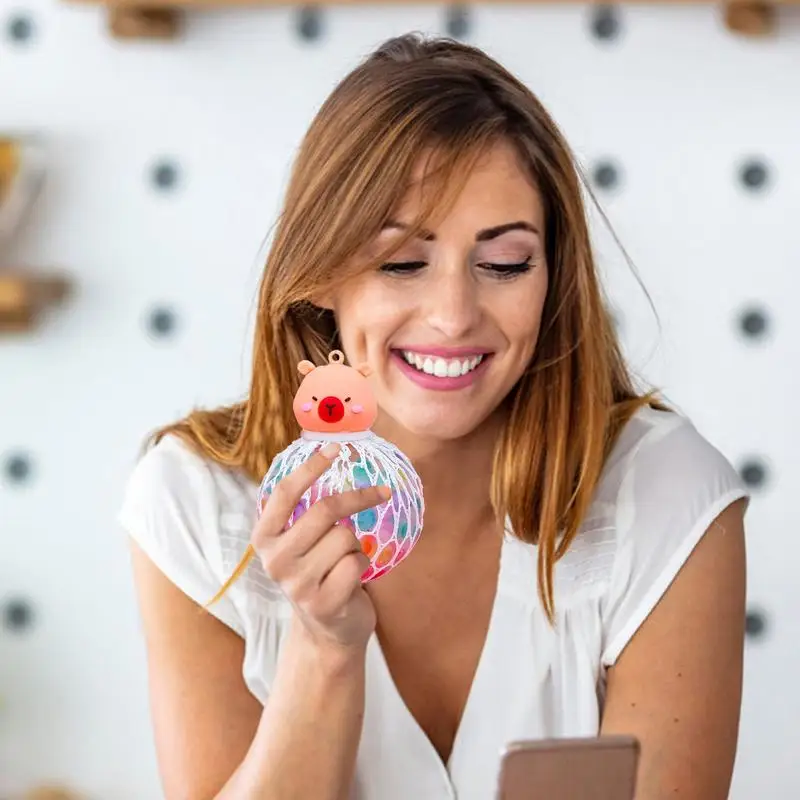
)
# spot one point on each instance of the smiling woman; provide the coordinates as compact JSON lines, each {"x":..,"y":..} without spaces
{"x":465,"y":297}
{"x":582,"y":568}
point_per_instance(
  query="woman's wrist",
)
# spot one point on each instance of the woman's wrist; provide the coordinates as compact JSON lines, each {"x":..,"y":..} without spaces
{"x":307,"y":741}
{"x":331,"y":657}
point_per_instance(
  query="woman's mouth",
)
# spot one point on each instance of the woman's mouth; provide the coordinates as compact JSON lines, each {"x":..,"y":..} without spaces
{"x":442,"y":367}
{"x":439,"y":371}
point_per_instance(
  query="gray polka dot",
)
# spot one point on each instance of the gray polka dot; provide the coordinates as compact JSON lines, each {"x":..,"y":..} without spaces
{"x":606,"y":174}
{"x":17,"y":615}
{"x":754,"y":323}
{"x":162,"y":322}
{"x":18,"y":468}
{"x":605,"y":23}
{"x":754,"y":175}
{"x":458,"y":22}
{"x":20,"y":28}
{"x":755,"y":624}
{"x":754,"y":473}
{"x":165,"y":175}
{"x":309,"y":24}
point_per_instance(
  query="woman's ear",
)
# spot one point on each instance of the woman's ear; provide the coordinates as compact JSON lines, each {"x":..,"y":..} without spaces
{"x":323,"y":301}
{"x":304,"y":367}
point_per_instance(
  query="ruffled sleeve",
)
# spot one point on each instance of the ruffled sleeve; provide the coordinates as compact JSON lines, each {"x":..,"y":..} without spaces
{"x":675,"y":484}
{"x":171,"y":509}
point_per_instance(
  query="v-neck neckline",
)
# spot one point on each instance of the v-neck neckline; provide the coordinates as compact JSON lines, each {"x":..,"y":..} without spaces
{"x":388,"y":682}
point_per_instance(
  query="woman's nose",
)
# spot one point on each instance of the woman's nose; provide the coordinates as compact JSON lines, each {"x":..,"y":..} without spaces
{"x":452,"y":305}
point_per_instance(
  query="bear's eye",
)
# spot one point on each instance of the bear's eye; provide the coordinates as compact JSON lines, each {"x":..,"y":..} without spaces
{"x":347,"y":399}
{"x":313,"y":398}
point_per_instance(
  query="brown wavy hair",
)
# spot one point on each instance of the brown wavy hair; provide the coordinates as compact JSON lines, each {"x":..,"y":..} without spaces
{"x":417,"y":95}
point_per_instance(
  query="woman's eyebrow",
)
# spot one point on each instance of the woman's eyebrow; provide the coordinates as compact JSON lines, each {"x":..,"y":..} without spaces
{"x":484,"y":235}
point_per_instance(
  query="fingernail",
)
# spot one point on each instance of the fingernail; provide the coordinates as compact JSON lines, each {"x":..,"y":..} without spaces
{"x":385,"y":492}
{"x":331,"y":450}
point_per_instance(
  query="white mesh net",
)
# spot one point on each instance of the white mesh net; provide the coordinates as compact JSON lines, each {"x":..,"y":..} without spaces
{"x":387,"y":532}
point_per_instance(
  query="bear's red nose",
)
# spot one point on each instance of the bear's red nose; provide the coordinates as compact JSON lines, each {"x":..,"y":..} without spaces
{"x":331,"y":409}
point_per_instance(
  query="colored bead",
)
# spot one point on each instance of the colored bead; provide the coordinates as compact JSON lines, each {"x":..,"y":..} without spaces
{"x":366,"y":520}
{"x":386,"y":528}
{"x":361,"y":478}
{"x":369,"y":546}
{"x":385,"y":556}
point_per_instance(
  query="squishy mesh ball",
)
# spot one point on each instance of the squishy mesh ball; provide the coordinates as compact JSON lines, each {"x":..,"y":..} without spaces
{"x":386,"y":532}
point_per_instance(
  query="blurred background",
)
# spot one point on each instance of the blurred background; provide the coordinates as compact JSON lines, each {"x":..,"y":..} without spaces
{"x":142,"y":164}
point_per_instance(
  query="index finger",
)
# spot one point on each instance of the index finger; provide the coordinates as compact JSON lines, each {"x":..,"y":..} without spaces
{"x":289,"y":490}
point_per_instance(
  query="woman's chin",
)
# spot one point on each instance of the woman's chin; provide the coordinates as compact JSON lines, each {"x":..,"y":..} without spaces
{"x":434,"y":429}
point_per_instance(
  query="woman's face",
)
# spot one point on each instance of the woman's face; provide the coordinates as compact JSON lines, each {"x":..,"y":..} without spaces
{"x":450,"y":324}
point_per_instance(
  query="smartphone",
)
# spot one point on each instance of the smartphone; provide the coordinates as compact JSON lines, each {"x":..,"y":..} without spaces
{"x":591,"y":768}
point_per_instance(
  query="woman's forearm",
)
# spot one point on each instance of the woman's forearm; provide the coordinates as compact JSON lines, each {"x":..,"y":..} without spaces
{"x":307,"y":740}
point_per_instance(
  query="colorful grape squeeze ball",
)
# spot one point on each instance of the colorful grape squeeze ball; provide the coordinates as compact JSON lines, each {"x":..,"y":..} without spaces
{"x":335,"y":404}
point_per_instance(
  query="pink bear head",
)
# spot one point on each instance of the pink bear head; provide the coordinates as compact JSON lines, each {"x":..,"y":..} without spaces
{"x":334,"y":398}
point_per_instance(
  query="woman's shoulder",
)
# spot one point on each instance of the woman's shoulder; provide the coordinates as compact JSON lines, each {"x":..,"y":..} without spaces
{"x":663,"y":483}
{"x":194,"y":518}
{"x":174,"y":467}
{"x":660,"y":457}
{"x":173,"y":473}
{"x":644,"y":430}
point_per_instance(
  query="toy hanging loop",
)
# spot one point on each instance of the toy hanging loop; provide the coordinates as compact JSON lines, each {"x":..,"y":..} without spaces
{"x":336,"y":357}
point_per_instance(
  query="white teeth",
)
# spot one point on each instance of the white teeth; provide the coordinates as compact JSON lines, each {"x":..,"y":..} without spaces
{"x":442,"y":367}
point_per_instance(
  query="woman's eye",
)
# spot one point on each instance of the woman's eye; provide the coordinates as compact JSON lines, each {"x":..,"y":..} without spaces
{"x":508,"y":270}
{"x":500,"y":270}
{"x":402,"y":267}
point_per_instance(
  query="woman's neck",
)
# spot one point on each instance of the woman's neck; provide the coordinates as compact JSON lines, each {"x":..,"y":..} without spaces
{"x":456,"y":477}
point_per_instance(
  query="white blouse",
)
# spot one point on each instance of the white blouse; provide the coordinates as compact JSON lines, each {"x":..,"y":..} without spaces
{"x":662,"y":486}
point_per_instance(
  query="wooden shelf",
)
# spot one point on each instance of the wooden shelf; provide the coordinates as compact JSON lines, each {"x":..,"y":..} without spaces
{"x":50,"y":793}
{"x":25,"y":295}
{"x":161,"y":19}
{"x":21,"y":177}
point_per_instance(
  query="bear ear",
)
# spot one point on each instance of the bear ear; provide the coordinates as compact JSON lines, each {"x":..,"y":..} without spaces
{"x":365,"y":370}
{"x":304,"y":367}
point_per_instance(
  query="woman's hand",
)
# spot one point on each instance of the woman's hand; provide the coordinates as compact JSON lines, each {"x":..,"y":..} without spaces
{"x":317,"y":563}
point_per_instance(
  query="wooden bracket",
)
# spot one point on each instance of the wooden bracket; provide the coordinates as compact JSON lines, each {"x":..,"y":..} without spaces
{"x":161,"y":19}
{"x":51,"y":793}
{"x":25,"y":296}
{"x":139,"y":22}
{"x":750,"y":17}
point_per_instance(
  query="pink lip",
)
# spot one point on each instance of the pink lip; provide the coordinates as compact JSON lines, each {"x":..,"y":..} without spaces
{"x":426,"y":381}
{"x":447,"y":352}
